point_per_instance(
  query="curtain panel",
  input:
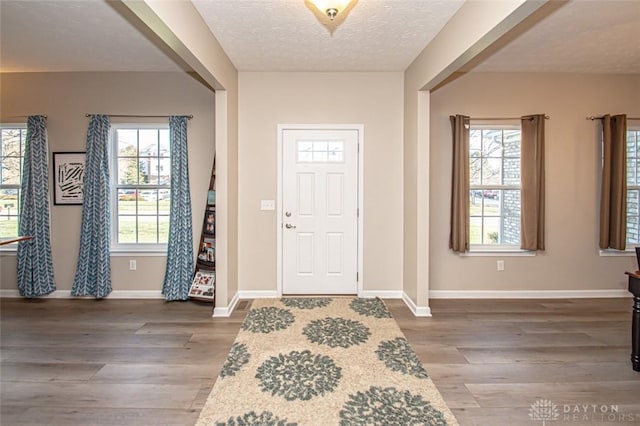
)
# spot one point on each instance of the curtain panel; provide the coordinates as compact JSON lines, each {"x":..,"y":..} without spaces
{"x":533,"y":181}
{"x":35,"y":264}
{"x":459,"y":219}
{"x":93,"y":272}
{"x":180,"y":263}
{"x":613,"y":194}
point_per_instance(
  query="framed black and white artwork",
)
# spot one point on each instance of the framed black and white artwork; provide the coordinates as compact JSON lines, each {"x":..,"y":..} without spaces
{"x":68,"y":177}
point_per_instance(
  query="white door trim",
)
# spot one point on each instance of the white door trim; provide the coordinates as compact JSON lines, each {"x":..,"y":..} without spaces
{"x":360,"y":129}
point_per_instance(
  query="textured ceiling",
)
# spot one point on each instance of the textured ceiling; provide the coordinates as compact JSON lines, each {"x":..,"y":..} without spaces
{"x":286,"y":35}
{"x":73,"y":35}
{"x":583,"y":36}
{"x":595,"y":36}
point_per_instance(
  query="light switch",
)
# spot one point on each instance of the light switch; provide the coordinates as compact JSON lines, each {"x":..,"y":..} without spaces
{"x":267,"y":204}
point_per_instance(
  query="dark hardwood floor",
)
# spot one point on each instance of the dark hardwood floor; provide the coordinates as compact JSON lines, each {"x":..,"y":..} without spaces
{"x":146,"y":362}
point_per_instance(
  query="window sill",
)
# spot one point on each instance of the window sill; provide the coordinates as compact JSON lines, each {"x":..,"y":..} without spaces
{"x":617,"y":253}
{"x":497,"y":252}
{"x":119,"y":252}
{"x":9,"y":251}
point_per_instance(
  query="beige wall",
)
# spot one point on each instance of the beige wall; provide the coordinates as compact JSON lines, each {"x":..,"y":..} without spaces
{"x":571,"y":261}
{"x":179,"y":25}
{"x":65,"y":98}
{"x":226,"y":197}
{"x":376,"y":101}
{"x":371,"y":99}
{"x":475,"y":26}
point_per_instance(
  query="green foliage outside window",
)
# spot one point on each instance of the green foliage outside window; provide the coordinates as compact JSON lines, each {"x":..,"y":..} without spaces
{"x":12,"y":142}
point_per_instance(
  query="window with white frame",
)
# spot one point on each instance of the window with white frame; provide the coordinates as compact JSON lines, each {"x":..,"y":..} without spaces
{"x":633,"y":186}
{"x":321,"y":151}
{"x":494,"y":186}
{"x":11,"y":159}
{"x":141,"y":179}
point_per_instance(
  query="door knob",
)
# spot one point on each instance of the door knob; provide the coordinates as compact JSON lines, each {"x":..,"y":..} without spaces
{"x":287,"y":214}
{"x":289,"y":226}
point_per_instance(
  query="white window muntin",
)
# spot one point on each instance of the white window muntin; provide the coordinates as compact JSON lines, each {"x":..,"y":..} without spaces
{"x":157,"y":192}
{"x":11,"y":163}
{"x":497,"y":188}
{"x":328,"y":151}
{"x":633,"y":186}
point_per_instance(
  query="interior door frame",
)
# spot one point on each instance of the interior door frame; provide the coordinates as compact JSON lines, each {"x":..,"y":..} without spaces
{"x":360,"y":218}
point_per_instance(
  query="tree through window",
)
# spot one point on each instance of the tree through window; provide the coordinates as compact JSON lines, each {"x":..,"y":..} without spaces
{"x":633,"y":187}
{"x":494,"y":183}
{"x":11,"y":159}
{"x":142,"y":183}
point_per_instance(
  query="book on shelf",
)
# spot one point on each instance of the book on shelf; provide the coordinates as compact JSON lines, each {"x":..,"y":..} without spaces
{"x":211,"y":197}
{"x":207,"y":253}
{"x":203,"y":285}
{"x":209,"y":227}
{"x":211,"y":255}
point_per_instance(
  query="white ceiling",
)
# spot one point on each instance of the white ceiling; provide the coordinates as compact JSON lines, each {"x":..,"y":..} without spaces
{"x":73,"y":35}
{"x":597,"y":36}
{"x":286,"y":35}
{"x":583,"y":36}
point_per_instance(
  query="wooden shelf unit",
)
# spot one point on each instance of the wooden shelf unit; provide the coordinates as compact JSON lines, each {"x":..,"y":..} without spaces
{"x":203,"y":285}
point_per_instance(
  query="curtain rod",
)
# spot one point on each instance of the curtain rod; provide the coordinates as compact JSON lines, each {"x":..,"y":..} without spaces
{"x":600,"y":117}
{"x":190,"y":116}
{"x":24,"y":116}
{"x":501,"y":118}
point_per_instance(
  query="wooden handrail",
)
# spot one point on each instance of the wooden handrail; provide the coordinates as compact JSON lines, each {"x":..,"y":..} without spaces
{"x":14,"y":240}
{"x":635,"y":274}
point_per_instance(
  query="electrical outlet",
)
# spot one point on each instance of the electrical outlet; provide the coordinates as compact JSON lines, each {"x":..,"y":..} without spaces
{"x":500,"y":265}
{"x":132,"y":265}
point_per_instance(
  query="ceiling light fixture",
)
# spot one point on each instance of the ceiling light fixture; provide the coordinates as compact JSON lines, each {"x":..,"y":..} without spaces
{"x":330,"y":7}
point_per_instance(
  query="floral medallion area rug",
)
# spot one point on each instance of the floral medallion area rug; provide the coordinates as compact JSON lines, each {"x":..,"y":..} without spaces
{"x":323,"y":361}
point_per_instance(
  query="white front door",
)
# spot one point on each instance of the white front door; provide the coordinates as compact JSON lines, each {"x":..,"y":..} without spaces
{"x":319,"y":211}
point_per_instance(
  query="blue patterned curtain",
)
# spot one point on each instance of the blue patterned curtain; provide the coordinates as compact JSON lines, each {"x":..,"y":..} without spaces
{"x":35,"y":265}
{"x":177,"y":278}
{"x":93,"y":273}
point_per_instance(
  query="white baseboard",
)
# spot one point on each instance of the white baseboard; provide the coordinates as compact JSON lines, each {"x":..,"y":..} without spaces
{"x":527,"y":294}
{"x":135,"y":294}
{"x":273,"y":294}
{"x":226,"y":311}
{"x":115,"y":294}
{"x":258,"y":294}
{"x":418,"y":311}
{"x":9,"y":293}
{"x":382,"y":294}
